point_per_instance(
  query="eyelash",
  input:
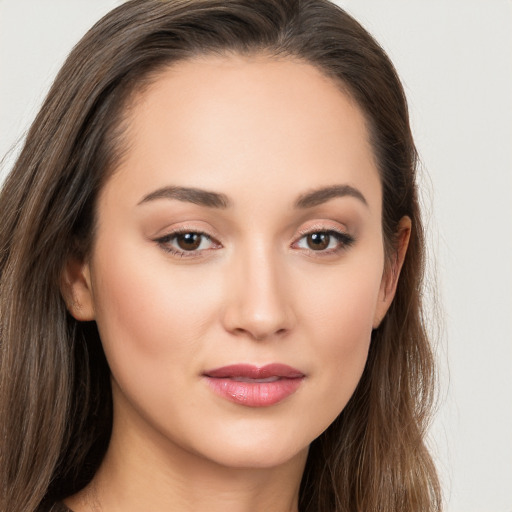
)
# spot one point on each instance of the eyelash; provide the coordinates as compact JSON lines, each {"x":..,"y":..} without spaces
{"x":344,"y":241}
{"x":165,"y":241}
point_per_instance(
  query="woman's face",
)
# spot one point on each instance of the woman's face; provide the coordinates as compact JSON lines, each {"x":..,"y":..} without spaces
{"x":237,"y":270}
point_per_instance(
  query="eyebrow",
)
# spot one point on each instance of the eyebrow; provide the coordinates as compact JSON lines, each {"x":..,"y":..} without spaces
{"x":218,"y":200}
{"x":322,"y":195}
{"x":189,"y":195}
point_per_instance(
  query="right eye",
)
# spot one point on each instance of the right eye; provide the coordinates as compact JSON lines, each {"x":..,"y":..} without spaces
{"x":187,"y":243}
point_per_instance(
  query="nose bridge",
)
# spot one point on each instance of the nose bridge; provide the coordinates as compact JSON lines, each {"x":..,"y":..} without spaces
{"x":259,"y":305}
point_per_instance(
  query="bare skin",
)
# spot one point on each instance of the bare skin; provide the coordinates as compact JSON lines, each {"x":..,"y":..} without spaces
{"x":243,"y":226}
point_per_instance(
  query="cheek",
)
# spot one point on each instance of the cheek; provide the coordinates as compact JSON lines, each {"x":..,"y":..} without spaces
{"x":145,"y":313}
{"x":343,"y":302}
{"x":340,"y":317}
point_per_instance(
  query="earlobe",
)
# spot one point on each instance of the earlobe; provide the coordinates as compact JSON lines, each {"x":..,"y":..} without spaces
{"x":77,"y":291}
{"x":392,"y":273}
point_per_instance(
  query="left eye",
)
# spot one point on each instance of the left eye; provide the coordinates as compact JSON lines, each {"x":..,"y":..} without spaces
{"x":324,"y":241}
{"x":186,"y":242}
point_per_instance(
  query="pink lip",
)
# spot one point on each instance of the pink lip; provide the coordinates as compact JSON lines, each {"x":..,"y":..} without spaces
{"x":254,"y":386}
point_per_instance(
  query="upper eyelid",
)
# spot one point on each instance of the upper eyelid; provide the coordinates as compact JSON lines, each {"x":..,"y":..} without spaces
{"x":320,"y":229}
{"x":324,"y":229}
{"x":317,"y":227}
{"x":170,"y":232}
{"x":323,"y":225}
{"x":300,"y":233}
{"x":173,"y":234}
{"x":341,"y":234}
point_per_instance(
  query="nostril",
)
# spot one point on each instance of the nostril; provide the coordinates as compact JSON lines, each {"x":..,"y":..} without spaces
{"x":260,"y":335}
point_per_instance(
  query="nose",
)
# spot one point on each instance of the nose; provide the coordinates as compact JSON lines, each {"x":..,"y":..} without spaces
{"x":259,"y":304}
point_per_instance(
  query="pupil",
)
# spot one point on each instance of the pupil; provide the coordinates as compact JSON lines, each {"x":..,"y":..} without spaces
{"x":318,"y":241}
{"x":189,"y":241}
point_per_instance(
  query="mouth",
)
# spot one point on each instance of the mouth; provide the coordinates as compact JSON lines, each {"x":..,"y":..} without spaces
{"x":254,"y":386}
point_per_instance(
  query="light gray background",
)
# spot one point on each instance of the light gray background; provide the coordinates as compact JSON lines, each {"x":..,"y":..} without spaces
{"x":455,"y":59}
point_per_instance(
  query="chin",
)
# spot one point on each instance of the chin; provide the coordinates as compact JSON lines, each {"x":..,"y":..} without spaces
{"x":259,"y":457}
{"x":255,"y":446}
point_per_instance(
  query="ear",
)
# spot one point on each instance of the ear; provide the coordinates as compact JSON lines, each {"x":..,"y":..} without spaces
{"x":392,"y":271}
{"x":76,"y":289}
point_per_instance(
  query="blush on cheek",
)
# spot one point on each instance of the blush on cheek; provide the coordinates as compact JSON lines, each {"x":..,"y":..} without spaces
{"x":347,"y":306}
{"x":124,"y":305}
{"x":150,"y":310}
{"x":343,"y":316}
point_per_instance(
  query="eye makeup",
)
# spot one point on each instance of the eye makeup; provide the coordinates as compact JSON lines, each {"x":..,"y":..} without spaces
{"x":325,"y":242}
{"x":187,"y":243}
{"x":192,"y":243}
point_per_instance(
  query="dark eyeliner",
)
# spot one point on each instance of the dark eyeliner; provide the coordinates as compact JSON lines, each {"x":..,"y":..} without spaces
{"x":163,"y":243}
{"x":344,"y":241}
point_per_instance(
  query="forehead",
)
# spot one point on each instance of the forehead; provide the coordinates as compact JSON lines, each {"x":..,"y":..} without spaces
{"x":222,"y":121}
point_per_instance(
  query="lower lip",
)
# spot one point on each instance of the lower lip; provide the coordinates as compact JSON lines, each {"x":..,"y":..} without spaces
{"x":254,"y":394}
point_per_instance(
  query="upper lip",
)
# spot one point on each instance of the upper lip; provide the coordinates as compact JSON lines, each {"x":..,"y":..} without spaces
{"x":251,"y":371}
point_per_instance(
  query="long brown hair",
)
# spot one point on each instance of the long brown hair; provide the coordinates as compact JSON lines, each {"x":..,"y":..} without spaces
{"x":55,"y":399}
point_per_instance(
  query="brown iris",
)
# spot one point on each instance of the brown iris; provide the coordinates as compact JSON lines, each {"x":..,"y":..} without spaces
{"x":189,"y":241}
{"x":318,"y":241}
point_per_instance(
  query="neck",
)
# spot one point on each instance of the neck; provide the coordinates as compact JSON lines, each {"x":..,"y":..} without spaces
{"x":146,"y":472}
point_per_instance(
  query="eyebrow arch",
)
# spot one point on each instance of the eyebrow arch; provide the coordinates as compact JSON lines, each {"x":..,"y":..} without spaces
{"x":322,"y":195}
{"x":189,"y":195}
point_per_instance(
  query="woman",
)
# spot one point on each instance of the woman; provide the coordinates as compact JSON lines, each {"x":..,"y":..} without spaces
{"x":211,"y":264}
